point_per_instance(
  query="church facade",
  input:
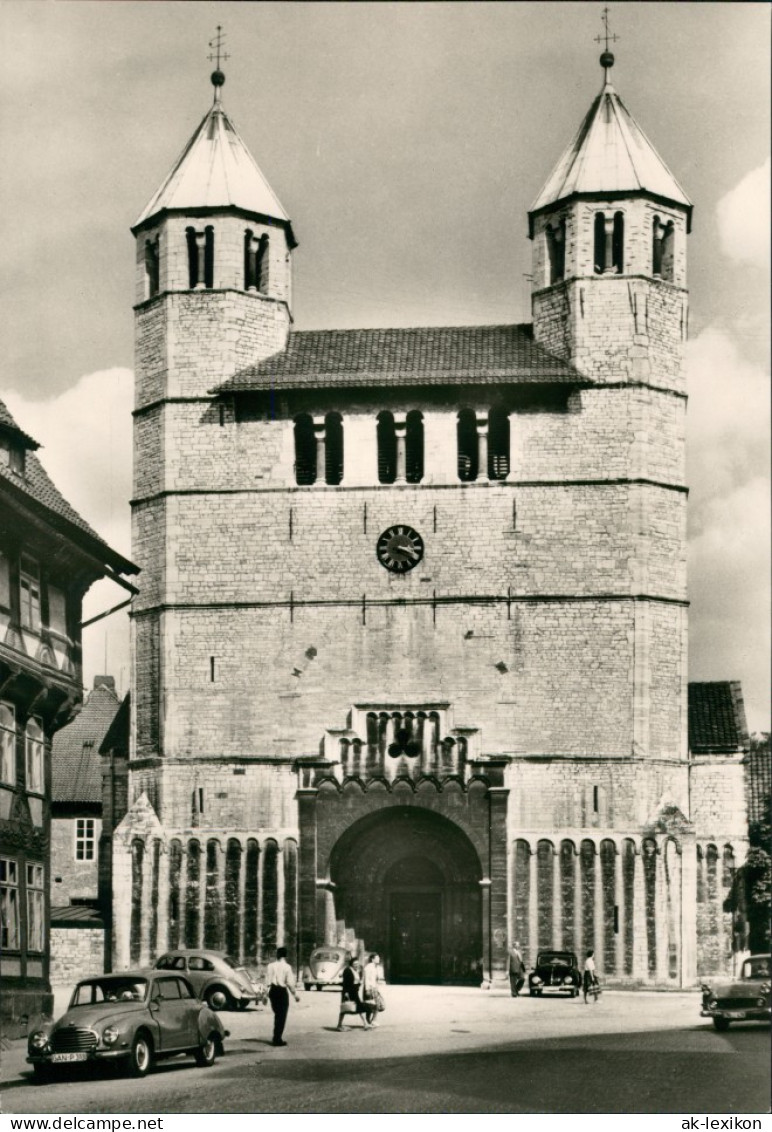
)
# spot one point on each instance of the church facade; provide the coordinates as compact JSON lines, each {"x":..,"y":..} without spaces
{"x":410,"y":652}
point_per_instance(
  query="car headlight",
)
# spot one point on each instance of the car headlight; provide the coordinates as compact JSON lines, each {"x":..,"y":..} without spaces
{"x":535,"y":979}
{"x":38,"y":1040}
{"x":764,"y":988}
{"x":713,"y":1003}
{"x":109,"y":1035}
{"x":568,"y":981}
{"x":762,"y":1002}
{"x":705,"y":988}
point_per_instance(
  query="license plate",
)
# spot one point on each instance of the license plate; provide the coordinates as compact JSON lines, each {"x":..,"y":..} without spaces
{"x":737,"y":1014}
{"x":60,"y":1057}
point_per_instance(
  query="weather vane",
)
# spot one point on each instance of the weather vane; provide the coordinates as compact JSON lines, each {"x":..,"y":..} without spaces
{"x":217,"y":56}
{"x":607,"y":58}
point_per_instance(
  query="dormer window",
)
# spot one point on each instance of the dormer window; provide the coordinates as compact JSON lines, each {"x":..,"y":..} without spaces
{"x":11,"y":455}
{"x":609,"y":243}
{"x":152,"y":267}
{"x":200,"y":257}
{"x":255,"y":262}
{"x":556,"y":250}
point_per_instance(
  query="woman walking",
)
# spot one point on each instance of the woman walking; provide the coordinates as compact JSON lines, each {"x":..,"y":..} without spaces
{"x":350,"y":1002}
{"x":370,"y":988}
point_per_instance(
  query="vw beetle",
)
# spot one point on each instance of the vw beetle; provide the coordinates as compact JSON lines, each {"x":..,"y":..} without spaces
{"x":215,"y":977}
{"x":325,"y":968}
{"x":133,"y":1018}
{"x":746,"y":999}
{"x":555,"y":971}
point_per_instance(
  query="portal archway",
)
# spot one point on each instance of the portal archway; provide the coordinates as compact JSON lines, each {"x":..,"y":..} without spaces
{"x":408,"y":882}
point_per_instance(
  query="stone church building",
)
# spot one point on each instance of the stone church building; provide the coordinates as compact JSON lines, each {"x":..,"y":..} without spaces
{"x":410,"y":652}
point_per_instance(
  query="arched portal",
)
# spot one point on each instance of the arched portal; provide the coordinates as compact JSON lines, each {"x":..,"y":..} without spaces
{"x":407,"y":881}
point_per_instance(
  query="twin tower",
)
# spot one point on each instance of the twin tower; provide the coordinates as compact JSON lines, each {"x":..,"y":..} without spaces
{"x":410,"y":650}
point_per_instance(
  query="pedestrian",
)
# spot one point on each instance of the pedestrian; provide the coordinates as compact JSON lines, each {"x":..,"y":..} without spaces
{"x":516,"y":969}
{"x":350,"y":1002}
{"x":370,"y":990}
{"x":589,"y":978}
{"x":281,"y":982}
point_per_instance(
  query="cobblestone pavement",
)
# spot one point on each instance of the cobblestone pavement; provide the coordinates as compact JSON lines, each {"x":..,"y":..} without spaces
{"x":444,"y":1050}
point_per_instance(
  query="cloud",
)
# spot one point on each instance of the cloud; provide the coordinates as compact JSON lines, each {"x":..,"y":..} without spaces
{"x":728,"y":443}
{"x":86,"y":439}
{"x":743,"y":218}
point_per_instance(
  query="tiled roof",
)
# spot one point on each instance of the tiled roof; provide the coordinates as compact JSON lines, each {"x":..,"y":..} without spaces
{"x":77,"y":773}
{"x":37,"y":486}
{"x":76,"y":916}
{"x":610,"y":154}
{"x":717,"y":718}
{"x":426,"y":355}
{"x":7,"y":422}
{"x":116,"y":740}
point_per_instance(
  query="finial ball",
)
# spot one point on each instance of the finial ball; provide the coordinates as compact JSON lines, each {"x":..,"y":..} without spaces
{"x":606,"y":60}
{"x":218,"y":78}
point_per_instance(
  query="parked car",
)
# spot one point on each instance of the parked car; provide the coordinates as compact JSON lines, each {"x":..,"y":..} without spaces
{"x":135,"y":1017}
{"x":745,"y":999}
{"x":325,"y":968}
{"x":215,"y":977}
{"x":555,"y":971}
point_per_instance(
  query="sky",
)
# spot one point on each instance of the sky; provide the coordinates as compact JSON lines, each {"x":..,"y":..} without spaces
{"x":406,"y":142}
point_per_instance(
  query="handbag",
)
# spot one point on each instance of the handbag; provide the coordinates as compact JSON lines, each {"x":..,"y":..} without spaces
{"x":348,"y":1007}
{"x":380,"y":1002}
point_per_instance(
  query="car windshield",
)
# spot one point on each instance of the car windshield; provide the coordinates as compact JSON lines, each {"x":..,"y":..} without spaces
{"x":547,"y":958}
{"x":120,"y":989}
{"x":327,"y":957}
{"x":756,"y":969}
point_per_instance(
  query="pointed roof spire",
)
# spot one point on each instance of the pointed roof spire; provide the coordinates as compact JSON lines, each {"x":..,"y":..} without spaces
{"x":610,"y":154}
{"x":215,"y":169}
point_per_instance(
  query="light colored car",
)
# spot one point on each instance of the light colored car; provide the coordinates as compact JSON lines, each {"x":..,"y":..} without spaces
{"x":134,"y":1017}
{"x":325,"y":968}
{"x":746,"y":999}
{"x":215,"y":977}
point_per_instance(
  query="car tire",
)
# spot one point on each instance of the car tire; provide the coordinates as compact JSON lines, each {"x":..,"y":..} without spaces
{"x":574,"y":993}
{"x":206,"y":1052}
{"x":307,"y":986}
{"x":319,"y":986}
{"x":141,"y":1056}
{"x":242,"y":1004}
{"x":41,"y":1072}
{"x":218,"y":999}
{"x":721,"y":1024}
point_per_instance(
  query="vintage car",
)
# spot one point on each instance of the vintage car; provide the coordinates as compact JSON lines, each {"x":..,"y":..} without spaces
{"x":746,"y":999}
{"x":215,"y":978}
{"x":134,"y":1018}
{"x":555,"y":971}
{"x":325,"y":968}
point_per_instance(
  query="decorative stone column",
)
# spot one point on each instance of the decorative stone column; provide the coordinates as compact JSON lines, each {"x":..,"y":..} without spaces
{"x":533,"y":903}
{"x":598,"y":923}
{"x":578,"y":925}
{"x":498,"y":800}
{"x":146,"y":903}
{"x":482,"y":447}
{"x":688,"y":972}
{"x":557,"y":900}
{"x":320,"y":436}
{"x":200,"y":238}
{"x":182,"y":893}
{"x":640,"y":938}
{"x":242,"y":895}
{"x":400,"y":432}
{"x":485,"y":888}
{"x":309,"y":933}
{"x":162,"y":905}
{"x":619,"y":904}
{"x":608,"y":232}
{"x":661,"y":911}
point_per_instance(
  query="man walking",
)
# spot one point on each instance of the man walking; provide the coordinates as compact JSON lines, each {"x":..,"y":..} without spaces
{"x":281,"y":980}
{"x":516,"y":969}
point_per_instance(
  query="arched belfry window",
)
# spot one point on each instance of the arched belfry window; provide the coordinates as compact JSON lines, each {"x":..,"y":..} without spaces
{"x":414,"y":446}
{"x":609,"y":243}
{"x":333,"y":455}
{"x":152,"y":267}
{"x":662,"y":241}
{"x":387,"y":448}
{"x":498,"y":443}
{"x":305,"y":450}
{"x":255,"y":262}
{"x":556,"y":250}
{"x":466,"y":434}
{"x":200,"y":256}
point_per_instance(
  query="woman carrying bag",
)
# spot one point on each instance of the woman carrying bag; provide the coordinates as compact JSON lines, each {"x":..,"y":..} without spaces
{"x":349,"y":1000}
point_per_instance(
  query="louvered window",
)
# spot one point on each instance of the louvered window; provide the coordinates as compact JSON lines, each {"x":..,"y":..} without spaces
{"x":414,"y":447}
{"x":466,"y":433}
{"x":305,"y":450}
{"x":387,"y":448}
{"x":498,"y":444}
{"x":333,"y":454}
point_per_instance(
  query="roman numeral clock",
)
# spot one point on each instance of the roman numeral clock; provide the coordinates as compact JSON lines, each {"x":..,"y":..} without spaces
{"x":399,"y":549}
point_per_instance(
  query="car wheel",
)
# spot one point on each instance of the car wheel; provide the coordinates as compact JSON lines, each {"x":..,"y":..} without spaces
{"x":318,"y":986}
{"x":218,"y":999}
{"x":721,"y":1024}
{"x":41,"y":1071}
{"x":206,"y":1053}
{"x":307,"y":986}
{"x":574,"y":992}
{"x":242,"y":1003}
{"x":141,"y":1056}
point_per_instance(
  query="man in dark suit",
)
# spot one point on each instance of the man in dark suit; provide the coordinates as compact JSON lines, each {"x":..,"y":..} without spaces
{"x":516,"y":969}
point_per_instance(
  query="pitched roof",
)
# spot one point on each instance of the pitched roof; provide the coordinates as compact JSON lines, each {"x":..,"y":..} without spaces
{"x":9,"y":425}
{"x":36,"y":486}
{"x":610,"y":154}
{"x":427,"y":355}
{"x":77,"y":772}
{"x":216,"y":170}
{"x":717,"y":718}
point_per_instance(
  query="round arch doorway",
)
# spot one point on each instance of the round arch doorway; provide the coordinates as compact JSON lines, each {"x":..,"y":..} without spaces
{"x":407,"y":881}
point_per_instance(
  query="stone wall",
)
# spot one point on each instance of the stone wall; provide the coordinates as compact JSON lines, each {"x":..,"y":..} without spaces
{"x":72,"y":879}
{"x":75,"y":954}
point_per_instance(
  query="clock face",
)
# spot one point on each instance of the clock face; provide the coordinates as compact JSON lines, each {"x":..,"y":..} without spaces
{"x":399,"y":549}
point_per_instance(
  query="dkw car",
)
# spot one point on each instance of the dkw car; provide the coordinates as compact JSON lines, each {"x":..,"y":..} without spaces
{"x":325,"y":968}
{"x":745,"y":999}
{"x":215,"y":977}
{"x":555,"y":971}
{"x":133,"y":1018}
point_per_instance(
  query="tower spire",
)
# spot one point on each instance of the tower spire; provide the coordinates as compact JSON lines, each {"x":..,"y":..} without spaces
{"x":216,"y":56}
{"x":607,"y":58}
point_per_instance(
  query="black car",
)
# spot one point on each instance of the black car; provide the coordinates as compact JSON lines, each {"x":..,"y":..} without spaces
{"x":555,"y":971}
